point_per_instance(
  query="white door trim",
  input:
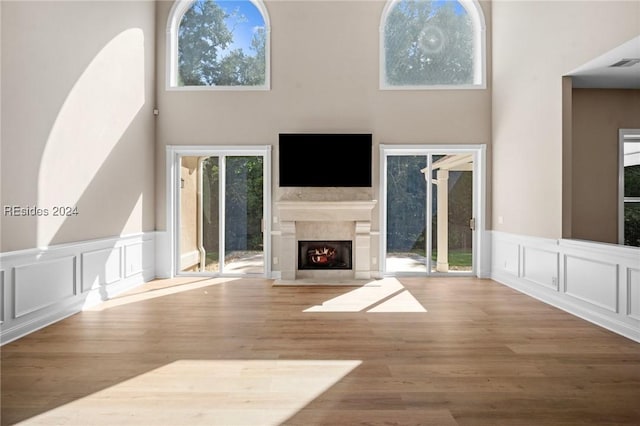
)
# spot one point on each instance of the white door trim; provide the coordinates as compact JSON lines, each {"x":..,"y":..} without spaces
{"x":480,"y":255}
{"x":174,"y":153}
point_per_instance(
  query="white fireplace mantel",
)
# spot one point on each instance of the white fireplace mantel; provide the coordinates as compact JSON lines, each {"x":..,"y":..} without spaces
{"x":357,"y":211}
{"x":325,"y":210}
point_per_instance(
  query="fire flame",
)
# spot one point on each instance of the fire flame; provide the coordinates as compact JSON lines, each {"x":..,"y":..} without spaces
{"x":321,"y":255}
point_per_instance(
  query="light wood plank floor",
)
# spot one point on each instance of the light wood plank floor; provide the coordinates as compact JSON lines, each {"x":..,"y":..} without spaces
{"x":411,"y":351}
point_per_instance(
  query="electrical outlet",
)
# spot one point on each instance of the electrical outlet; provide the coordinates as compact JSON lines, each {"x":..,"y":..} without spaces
{"x":374,"y":260}
{"x":554,"y":281}
{"x":275,"y":260}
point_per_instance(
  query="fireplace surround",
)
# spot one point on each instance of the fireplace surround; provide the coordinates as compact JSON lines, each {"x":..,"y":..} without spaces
{"x":328,"y":221}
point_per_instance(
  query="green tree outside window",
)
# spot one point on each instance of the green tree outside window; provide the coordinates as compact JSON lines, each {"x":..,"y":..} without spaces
{"x":205,"y":55}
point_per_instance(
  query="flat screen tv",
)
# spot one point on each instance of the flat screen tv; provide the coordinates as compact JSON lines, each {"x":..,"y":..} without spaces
{"x":325,"y":159}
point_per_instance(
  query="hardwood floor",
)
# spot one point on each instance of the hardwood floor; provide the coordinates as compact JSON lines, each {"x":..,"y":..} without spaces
{"x":241,"y":352}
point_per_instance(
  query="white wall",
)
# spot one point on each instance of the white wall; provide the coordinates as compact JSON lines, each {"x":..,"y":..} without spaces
{"x":534,"y":44}
{"x":77,"y":123}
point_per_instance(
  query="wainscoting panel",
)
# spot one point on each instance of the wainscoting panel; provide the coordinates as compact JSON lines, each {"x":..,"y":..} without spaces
{"x":133,"y":259}
{"x":101,"y":268}
{"x":42,"y":286}
{"x":2,"y":298}
{"x":597,"y":282}
{"x":506,"y":257}
{"x":633,"y":291}
{"x":592,"y":281}
{"x":540,"y":267}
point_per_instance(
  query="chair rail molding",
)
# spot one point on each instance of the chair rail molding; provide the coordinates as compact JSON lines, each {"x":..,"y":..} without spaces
{"x":44,"y":285}
{"x":597,"y":282}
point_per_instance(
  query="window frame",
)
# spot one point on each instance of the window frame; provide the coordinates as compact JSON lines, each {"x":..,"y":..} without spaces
{"x":624,"y":136}
{"x":474,"y":10}
{"x":178,"y":10}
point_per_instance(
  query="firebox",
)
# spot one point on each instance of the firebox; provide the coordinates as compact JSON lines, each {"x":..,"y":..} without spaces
{"x":324,"y":254}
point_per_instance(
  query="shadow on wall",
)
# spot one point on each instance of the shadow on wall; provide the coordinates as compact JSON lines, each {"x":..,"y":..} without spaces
{"x":94,"y":176}
{"x":92,"y":158}
{"x":91,"y":152}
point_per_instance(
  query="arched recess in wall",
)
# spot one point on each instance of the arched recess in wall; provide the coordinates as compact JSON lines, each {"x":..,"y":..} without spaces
{"x":214,"y":44}
{"x":432,"y":44}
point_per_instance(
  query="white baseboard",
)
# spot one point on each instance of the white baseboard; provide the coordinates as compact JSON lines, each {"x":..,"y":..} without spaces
{"x":596,"y":282}
{"x":42,"y":286}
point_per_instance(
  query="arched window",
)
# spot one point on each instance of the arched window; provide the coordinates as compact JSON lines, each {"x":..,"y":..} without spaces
{"x":216,"y":44}
{"x":432,"y":44}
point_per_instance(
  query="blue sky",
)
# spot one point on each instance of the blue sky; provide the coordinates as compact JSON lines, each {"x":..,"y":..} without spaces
{"x":244,"y":30}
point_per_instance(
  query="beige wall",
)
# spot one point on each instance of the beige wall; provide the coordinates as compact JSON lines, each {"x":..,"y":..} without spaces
{"x":325,"y":60}
{"x":78,"y":87}
{"x":534,"y":44}
{"x":597,"y":117}
{"x":77,"y":123}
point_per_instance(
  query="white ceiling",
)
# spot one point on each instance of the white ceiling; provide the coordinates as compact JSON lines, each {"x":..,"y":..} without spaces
{"x":599,"y":74}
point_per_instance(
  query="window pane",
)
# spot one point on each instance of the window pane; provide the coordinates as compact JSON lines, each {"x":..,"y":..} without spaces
{"x":459,"y":211}
{"x":632,"y":181}
{"x":429,"y":43}
{"x":406,"y":214}
{"x":244,"y":198}
{"x":632,"y":224}
{"x":221,"y":44}
{"x":199,"y":223}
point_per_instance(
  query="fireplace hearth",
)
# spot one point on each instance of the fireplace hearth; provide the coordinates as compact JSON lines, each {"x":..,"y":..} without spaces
{"x":324,"y":255}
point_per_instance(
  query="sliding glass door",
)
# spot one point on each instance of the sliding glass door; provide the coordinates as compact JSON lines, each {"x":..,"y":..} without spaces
{"x":221,"y":214}
{"x":199,"y":243}
{"x":452,"y":215}
{"x":243,"y":218}
{"x":430,"y":211}
{"x":406,"y":208}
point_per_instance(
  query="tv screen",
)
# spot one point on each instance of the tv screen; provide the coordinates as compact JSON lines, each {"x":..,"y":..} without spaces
{"x":325,"y":159}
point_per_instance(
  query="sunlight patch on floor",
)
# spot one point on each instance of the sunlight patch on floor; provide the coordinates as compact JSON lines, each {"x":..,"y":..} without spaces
{"x":206,"y":392}
{"x":158,"y":288}
{"x":402,"y":302}
{"x":387,"y":295}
